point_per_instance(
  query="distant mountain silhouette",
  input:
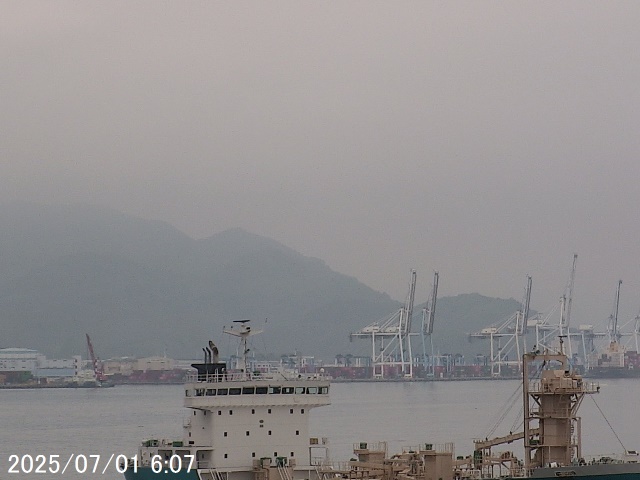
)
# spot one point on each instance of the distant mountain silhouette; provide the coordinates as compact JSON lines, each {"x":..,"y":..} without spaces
{"x":141,"y":287}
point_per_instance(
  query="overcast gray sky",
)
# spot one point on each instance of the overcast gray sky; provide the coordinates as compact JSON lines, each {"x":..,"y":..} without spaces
{"x":487,"y":140}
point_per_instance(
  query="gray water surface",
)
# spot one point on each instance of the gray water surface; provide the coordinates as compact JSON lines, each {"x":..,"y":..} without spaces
{"x":113,"y":421}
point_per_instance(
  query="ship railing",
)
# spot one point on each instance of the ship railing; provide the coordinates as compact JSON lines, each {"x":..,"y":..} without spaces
{"x":605,"y":458}
{"x":329,"y":465}
{"x":448,"y":447}
{"x":255,"y":376}
{"x":467,"y":473}
{"x":371,"y":447}
{"x":563,"y":385}
{"x":318,"y":461}
{"x":517,"y":471}
{"x":284,"y":472}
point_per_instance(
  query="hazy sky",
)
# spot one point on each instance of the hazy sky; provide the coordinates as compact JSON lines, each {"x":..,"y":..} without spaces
{"x":487,"y":140}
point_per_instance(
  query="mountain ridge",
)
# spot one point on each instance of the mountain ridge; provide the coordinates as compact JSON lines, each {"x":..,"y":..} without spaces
{"x":141,"y":287}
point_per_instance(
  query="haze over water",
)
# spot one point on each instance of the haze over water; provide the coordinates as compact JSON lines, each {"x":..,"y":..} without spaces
{"x":116,"y":420}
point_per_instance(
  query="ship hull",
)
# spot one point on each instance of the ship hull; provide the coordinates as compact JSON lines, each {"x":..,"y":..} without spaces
{"x":603,"y":476}
{"x":596,"y":471}
{"x":606,"y":476}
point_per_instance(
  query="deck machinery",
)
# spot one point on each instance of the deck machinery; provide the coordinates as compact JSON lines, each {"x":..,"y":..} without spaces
{"x":552,"y":430}
{"x":552,"y":433}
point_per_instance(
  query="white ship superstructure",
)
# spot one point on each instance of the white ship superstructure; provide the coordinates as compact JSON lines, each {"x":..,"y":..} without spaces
{"x":242,"y":424}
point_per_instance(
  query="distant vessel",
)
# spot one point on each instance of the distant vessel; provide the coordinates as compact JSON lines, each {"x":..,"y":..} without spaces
{"x":99,"y":378}
{"x":615,"y":361}
{"x":243,"y":425}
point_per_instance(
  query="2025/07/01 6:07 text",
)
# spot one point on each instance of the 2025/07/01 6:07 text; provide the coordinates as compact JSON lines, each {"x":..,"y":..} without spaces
{"x":81,"y":463}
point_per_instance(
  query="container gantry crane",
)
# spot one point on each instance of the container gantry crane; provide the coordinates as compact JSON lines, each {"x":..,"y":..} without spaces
{"x":390,"y":338}
{"x":428,"y":319}
{"x":513,"y":329}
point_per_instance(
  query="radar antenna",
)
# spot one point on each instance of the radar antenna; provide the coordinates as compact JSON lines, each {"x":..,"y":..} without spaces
{"x":243,"y":333}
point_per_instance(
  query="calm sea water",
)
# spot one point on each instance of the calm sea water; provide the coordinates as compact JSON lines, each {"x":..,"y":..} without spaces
{"x":114,"y":420}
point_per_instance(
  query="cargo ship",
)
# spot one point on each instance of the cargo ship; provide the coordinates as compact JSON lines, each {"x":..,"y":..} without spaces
{"x":243,"y":425}
{"x":246,"y":425}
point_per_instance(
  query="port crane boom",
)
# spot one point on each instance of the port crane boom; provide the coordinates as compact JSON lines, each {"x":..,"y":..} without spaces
{"x":614,"y":335}
{"x":97,"y":365}
{"x":567,"y":313}
{"x":428,"y":319}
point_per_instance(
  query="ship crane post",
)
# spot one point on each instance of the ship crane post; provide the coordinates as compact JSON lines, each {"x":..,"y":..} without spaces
{"x":552,"y":393}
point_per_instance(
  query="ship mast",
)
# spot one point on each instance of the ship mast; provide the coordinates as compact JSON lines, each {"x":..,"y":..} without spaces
{"x":243,"y":333}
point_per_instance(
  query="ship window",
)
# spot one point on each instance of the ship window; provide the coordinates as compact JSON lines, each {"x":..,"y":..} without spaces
{"x":269,"y":432}
{"x":269,"y":411}
{"x":291,"y":454}
{"x":219,"y":412}
{"x":199,"y":392}
{"x":226,"y":455}
{"x":291,"y":410}
{"x":210,"y":392}
{"x":230,"y":412}
{"x":223,"y":391}
{"x":274,"y":389}
{"x":225,"y":434}
{"x":205,"y":413}
{"x":324,"y":390}
{"x":275,"y":454}
{"x":297,"y":432}
{"x":261,"y":390}
{"x":235,"y":391}
{"x":247,"y":433}
{"x":302,"y":411}
{"x":253,"y":411}
{"x":287,"y":390}
{"x":299,"y":390}
{"x":187,"y":393}
{"x":248,"y":390}
{"x":253,"y":454}
{"x":194,"y":412}
{"x":312,"y":390}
